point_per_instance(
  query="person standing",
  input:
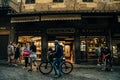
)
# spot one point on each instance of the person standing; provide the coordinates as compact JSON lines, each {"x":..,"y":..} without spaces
{"x":102,"y":54}
{"x":98,"y":53}
{"x":108,"y":59}
{"x":26,"y":57}
{"x":10,"y":51}
{"x":33,"y":56}
{"x":58,"y":56}
{"x":22,"y":48}
{"x":17,"y":54}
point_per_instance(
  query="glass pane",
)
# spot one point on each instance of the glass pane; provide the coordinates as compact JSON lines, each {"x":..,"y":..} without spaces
{"x":89,"y":44}
{"x":83,"y":46}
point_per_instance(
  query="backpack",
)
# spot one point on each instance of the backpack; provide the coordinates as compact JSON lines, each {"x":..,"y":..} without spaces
{"x":60,"y":51}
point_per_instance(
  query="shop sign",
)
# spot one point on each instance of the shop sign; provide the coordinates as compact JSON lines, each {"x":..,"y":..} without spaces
{"x":61,"y":30}
{"x":92,"y":31}
{"x":24,"y":19}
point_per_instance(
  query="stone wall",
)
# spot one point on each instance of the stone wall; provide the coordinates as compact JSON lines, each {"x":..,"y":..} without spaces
{"x":70,"y":5}
{"x":41,"y":7}
{"x":14,"y":5}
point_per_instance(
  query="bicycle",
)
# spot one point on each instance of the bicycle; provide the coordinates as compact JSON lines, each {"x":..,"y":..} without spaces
{"x":47,"y":67}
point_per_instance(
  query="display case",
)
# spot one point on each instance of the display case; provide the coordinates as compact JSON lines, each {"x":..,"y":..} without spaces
{"x":88,"y":45}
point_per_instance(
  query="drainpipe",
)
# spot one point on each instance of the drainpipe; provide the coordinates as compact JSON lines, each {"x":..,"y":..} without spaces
{"x":12,"y":34}
{"x":20,"y":5}
{"x":109,"y":40}
{"x":75,"y":5}
{"x":44,"y":45}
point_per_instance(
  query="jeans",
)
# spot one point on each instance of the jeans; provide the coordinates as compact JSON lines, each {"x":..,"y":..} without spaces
{"x":56,"y":66}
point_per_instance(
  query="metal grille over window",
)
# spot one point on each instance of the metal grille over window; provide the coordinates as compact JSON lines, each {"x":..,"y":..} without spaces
{"x":30,"y":1}
{"x":87,"y":0}
{"x":57,"y":0}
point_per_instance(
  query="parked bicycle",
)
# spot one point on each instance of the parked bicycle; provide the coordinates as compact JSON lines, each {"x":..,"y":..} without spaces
{"x":47,"y":67}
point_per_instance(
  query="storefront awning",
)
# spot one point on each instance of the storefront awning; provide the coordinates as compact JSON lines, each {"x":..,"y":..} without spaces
{"x":25,"y":19}
{"x":44,"y":18}
{"x":60,"y":17}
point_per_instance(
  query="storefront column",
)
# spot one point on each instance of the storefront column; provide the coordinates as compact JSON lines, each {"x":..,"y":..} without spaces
{"x":12,"y":34}
{"x":77,"y":47}
{"x":108,"y":39}
{"x":44,"y":46}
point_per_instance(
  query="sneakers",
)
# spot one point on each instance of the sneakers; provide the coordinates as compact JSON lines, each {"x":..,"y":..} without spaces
{"x":29,"y":70}
{"x":24,"y":67}
{"x":15,"y":65}
{"x":56,"y":76}
{"x":98,"y":65}
{"x":111,"y":69}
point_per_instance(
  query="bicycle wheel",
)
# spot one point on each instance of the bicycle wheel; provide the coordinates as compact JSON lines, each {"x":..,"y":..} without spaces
{"x":67,"y":67}
{"x":45,"y":67}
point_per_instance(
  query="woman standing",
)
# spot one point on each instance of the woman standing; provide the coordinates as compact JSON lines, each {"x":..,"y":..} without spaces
{"x":22,"y":48}
{"x":17,"y":53}
{"x":26,"y":57}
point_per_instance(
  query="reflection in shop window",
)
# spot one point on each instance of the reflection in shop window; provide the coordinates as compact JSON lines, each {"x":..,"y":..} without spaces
{"x":29,"y":1}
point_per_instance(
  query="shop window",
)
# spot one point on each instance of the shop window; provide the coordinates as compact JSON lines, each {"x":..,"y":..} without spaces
{"x":29,"y":1}
{"x":28,"y":39}
{"x":57,"y":0}
{"x":66,"y":47}
{"x":89,"y":44}
{"x":87,"y":0}
{"x":3,"y":3}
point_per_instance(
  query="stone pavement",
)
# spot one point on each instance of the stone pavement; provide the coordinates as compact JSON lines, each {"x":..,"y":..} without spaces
{"x":80,"y":72}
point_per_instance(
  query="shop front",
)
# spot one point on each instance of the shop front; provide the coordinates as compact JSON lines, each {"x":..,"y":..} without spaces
{"x":86,"y":43}
{"x":79,"y":36}
{"x":4,"y":37}
{"x":79,"y":44}
{"x":45,"y":40}
{"x":65,"y":36}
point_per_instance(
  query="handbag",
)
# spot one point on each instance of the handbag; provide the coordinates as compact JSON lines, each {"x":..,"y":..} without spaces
{"x":26,"y":53}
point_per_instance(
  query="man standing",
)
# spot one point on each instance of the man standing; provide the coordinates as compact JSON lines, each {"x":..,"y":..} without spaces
{"x":33,"y":55}
{"x":108,"y":59}
{"x":58,"y":55}
{"x":10,"y":51}
{"x":98,"y":54}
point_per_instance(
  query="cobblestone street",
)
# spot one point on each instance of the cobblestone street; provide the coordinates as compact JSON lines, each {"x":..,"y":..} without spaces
{"x":79,"y":73}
